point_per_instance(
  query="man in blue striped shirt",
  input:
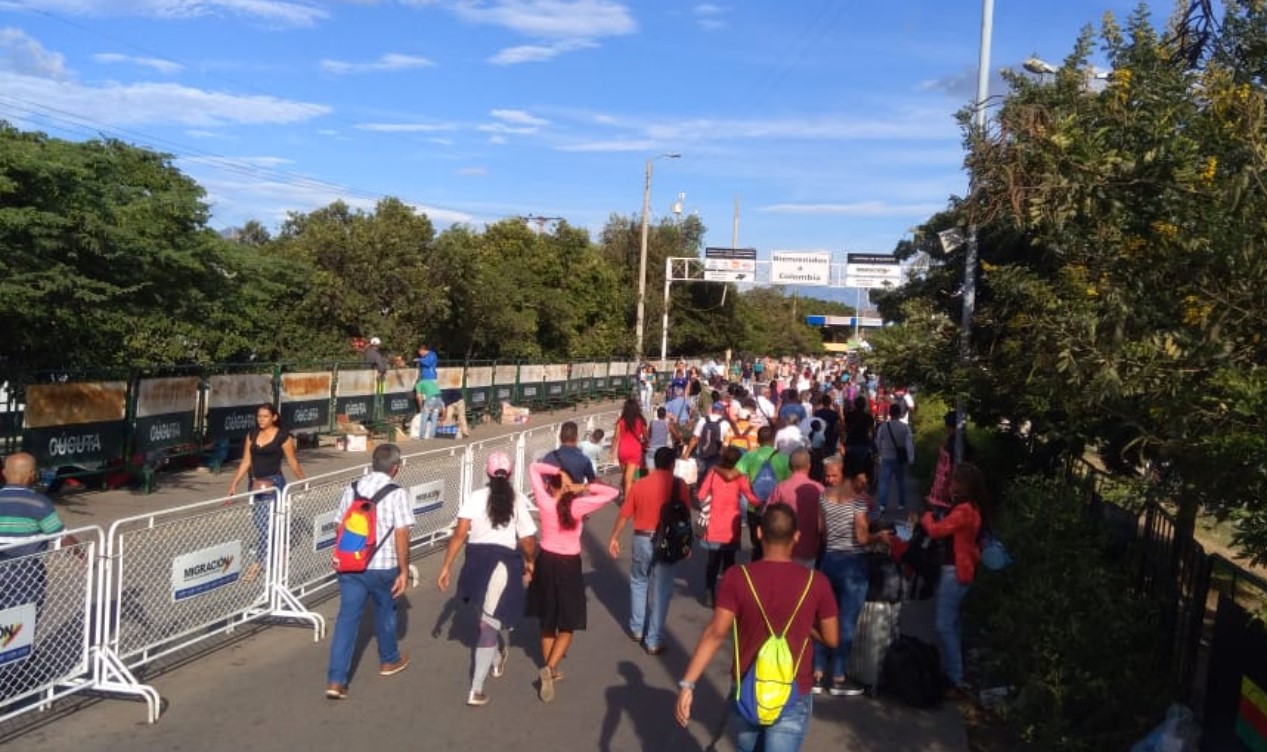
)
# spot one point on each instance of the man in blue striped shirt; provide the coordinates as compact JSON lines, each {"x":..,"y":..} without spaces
{"x":26,"y":515}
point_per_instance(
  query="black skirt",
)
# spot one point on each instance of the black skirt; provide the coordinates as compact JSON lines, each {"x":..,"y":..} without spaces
{"x":556,"y":594}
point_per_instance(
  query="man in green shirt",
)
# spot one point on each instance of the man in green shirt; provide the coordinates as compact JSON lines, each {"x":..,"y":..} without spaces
{"x":750,"y":465}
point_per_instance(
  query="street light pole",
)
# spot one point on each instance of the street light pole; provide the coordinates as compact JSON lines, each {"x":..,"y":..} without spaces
{"x":642,"y":255}
{"x":970,"y":252}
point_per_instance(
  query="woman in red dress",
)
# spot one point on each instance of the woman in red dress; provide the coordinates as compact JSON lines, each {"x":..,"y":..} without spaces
{"x":629,"y":443}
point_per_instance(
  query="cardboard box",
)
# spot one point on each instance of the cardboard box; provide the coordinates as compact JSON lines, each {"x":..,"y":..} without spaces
{"x":356,"y":444}
{"x":512,"y":415}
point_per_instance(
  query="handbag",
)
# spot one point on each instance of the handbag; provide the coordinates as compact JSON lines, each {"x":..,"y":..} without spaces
{"x":994,"y":555}
{"x":902,"y":457}
{"x":686,"y":470}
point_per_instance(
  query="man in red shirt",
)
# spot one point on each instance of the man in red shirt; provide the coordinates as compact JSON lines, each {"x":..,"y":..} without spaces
{"x":775,"y":579}
{"x":642,"y":504}
{"x":802,"y":493}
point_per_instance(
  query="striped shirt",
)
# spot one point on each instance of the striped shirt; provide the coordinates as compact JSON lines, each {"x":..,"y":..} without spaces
{"x":25,"y":516}
{"x":840,"y":526}
{"x":393,"y":513}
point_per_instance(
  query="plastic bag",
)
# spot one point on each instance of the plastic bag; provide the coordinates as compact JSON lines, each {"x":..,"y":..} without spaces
{"x":1178,"y":733}
{"x":687,"y":470}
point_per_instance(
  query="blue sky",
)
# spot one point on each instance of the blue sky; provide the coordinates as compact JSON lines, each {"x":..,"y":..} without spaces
{"x":831,"y":121}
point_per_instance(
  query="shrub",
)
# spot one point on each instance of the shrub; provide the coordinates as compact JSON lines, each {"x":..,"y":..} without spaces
{"x":1062,"y":626}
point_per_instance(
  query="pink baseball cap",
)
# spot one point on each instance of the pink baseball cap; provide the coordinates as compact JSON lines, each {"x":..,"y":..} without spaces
{"x":498,"y":462}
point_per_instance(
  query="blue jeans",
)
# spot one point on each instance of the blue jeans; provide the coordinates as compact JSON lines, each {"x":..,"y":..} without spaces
{"x":785,"y":735}
{"x":354,"y":589}
{"x":949,"y":594}
{"x":889,"y":468}
{"x":652,"y":610}
{"x":262,"y":507}
{"x":849,"y":575}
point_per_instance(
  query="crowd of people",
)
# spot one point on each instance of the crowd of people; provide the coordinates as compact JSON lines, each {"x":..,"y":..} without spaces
{"x":810,"y":457}
{"x":804,"y":454}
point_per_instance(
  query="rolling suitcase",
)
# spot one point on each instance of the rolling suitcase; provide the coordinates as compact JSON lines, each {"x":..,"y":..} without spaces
{"x":877,"y":629}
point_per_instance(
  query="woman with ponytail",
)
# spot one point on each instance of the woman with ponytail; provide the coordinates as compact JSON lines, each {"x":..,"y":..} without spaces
{"x":495,"y":523}
{"x":556,"y":594}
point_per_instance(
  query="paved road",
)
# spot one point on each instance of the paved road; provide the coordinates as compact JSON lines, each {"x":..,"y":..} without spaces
{"x":261,"y":689}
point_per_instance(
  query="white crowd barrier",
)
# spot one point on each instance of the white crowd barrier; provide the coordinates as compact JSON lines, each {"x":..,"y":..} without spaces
{"x":85,"y":616}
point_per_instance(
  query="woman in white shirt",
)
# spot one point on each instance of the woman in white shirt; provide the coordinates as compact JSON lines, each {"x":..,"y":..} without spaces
{"x":495,"y":523}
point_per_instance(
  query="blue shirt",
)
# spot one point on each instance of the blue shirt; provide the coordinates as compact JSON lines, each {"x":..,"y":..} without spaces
{"x":572,"y":461}
{"x":792,"y":412}
{"x":25,"y":514}
{"x":678,"y":408}
{"x":427,"y":365}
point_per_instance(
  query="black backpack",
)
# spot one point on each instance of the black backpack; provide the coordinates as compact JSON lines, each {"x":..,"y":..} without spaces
{"x":911,"y":672}
{"x":674,"y":535}
{"x":710,"y":440}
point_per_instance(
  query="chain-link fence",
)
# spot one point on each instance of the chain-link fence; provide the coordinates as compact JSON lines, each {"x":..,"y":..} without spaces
{"x":46,"y":619}
{"x":482,"y":450}
{"x":435,"y":481}
{"x":182,"y":575}
{"x":312,"y":507}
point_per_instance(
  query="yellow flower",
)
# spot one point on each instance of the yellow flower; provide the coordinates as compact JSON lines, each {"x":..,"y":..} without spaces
{"x":1092,"y":292}
{"x":1211,"y":168}
{"x":1165,"y":230}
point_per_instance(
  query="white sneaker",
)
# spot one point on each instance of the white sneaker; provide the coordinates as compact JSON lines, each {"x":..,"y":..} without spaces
{"x":499,"y":665}
{"x":476,"y":699}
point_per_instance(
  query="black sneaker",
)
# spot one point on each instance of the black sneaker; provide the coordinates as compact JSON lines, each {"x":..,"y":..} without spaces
{"x":846,"y":688}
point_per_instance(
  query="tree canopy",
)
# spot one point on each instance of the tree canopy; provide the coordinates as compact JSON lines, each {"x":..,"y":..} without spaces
{"x":107,"y":260}
{"x":1123,"y":274}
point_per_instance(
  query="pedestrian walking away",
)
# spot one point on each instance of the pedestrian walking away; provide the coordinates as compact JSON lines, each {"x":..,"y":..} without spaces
{"x":843,"y":508}
{"x":383,"y":580}
{"x":495,"y":524}
{"x":556,"y":594}
{"x":650,"y":580}
{"x":628,"y":443}
{"x":960,"y":527}
{"x":755,"y":602}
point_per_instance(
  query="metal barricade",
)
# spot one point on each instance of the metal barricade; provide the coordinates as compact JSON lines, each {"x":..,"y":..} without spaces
{"x":479,"y":454}
{"x":436,"y":481}
{"x":47,"y":618}
{"x":180,"y":576}
{"x":312,"y":506}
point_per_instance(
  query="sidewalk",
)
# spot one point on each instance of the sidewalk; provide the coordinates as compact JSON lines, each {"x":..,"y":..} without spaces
{"x":261,"y":689}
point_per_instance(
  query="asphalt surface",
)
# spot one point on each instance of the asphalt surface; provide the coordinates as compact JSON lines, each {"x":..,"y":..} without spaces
{"x":261,"y":688}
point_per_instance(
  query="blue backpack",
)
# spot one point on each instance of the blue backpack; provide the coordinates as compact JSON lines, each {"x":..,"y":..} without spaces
{"x":765,"y":481}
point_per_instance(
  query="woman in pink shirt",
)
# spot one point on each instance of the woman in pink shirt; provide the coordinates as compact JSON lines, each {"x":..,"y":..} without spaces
{"x":719,"y":495}
{"x":556,"y":594}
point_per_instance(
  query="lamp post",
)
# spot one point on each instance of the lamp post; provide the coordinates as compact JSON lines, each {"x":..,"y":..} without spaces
{"x":970,"y":252}
{"x":642,"y":255}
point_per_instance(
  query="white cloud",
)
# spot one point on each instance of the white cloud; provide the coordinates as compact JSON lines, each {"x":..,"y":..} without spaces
{"x":857,"y":209}
{"x":517,"y":130}
{"x":278,"y":12}
{"x":537,"y":53}
{"x":391,"y":61}
{"x":24,"y":55}
{"x":145,"y":103}
{"x":214,"y":135}
{"x":441,"y":141}
{"x":158,"y":64}
{"x":406,"y":127}
{"x":551,"y":19}
{"x":614,"y":145}
{"x":472,"y":171}
{"x":962,"y":86}
{"x":233,"y":162}
{"x":709,"y":16}
{"x":498,"y":140}
{"x":928,"y":125}
{"x":327,"y":132}
{"x":518,"y":117}
{"x":237,"y":199}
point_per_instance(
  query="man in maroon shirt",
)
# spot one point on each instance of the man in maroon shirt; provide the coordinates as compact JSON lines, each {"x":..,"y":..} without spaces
{"x":802,"y":493}
{"x":643,"y":503}
{"x":778,"y":582}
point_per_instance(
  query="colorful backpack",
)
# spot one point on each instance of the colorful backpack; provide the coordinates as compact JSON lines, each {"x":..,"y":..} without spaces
{"x":356,"y":539}
{"x":769,"y":686}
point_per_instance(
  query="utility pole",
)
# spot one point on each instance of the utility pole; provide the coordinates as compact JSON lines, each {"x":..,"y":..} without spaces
{"x":970,"y":251}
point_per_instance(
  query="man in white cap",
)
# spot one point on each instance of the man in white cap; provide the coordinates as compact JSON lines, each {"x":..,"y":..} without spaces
{"x":374,"y":357}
